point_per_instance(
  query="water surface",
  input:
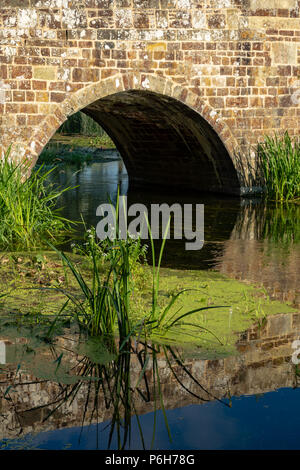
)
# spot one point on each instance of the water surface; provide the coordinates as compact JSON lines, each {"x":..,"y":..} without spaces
{"x":246,"y":401}
{"x":244,"y":238}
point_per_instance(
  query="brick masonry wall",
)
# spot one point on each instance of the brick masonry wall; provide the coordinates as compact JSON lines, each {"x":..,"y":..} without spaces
{"x":236,"y":63}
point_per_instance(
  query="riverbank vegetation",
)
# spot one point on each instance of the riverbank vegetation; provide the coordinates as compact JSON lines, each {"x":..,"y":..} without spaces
{"x":81,"y":124}
{"x":122,"y":296}
{"x":279,"y":162}
{"x":106,"y":287}
{"x":76,"y":149}
{"x":28,"y":209}
{"x":78,"y":140}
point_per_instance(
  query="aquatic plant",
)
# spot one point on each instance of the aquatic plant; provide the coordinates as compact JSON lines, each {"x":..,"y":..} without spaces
{"x":279,"y":160}
{"x":103,"y":249}
{"x":106,"y":299}
{"x":103,"y":253}
{"x":28,"y":209}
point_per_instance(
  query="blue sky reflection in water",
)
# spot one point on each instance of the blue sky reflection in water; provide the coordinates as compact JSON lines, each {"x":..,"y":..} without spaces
{"x":269,"y":421}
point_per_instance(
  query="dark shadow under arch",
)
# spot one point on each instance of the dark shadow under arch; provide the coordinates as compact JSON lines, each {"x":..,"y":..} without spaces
{"x":165,"y":143}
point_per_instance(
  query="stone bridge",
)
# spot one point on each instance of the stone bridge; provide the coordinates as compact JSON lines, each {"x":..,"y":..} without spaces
{"x":185,"y":88}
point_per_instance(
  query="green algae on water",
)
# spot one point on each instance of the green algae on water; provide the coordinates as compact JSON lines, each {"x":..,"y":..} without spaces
{"x":33,"y":284}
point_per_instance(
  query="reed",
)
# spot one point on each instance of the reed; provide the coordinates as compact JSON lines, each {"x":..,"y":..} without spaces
{"x":28,"y":208}
{"x":104,"y":303}
{"x":279,"y":160}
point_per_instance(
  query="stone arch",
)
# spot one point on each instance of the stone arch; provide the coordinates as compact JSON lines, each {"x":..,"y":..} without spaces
{"x":141,"y":83}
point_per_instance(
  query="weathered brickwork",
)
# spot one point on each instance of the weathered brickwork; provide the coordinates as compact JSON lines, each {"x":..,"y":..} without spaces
{"x":225,"y":69}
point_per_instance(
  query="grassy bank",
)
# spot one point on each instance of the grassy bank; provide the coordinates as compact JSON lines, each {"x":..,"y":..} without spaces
{"x":75,"y":149}
{"x":76,"y":140}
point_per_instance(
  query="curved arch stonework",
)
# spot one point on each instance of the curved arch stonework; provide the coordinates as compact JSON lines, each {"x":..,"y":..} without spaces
{"x":235,"y":63}
{"x":126,"y":83}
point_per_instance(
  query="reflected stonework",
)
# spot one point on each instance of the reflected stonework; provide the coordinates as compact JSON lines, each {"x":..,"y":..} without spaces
{"x":264,"y":248}
{"x":262,"y":364}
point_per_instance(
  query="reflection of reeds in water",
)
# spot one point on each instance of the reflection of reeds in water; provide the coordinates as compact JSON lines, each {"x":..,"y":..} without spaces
{"x":278,"y":223}
{"x":121,"y":385}
{"x":283,"y":224}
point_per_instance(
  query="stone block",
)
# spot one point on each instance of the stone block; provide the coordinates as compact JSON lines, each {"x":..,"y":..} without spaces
{"x":284,"y":53}
{"x":44,"y":73}
{"x":279,"y":325}
{"x":271,"y":4}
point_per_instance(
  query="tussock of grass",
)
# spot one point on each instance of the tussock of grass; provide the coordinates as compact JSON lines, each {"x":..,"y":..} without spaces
{"x":279,"y":159}
{"x":28,"y":210}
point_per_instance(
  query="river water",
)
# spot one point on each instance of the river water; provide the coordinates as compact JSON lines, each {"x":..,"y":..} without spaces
{"x":247,"y":401}
{"x":244,"y":239}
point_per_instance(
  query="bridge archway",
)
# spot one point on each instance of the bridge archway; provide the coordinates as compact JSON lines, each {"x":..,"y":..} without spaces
{"x":166,"y":135}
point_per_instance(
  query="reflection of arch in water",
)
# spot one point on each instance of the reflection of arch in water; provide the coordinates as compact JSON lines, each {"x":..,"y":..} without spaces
{"x":220,"y":216}
{"x":259,"y":367}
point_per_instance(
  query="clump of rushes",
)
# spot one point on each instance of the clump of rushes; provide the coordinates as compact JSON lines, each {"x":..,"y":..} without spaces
{"x":104,"y":302}
{"x":279,"y":159}
{"x":103,"y":251}
{"x":28,"y":211}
